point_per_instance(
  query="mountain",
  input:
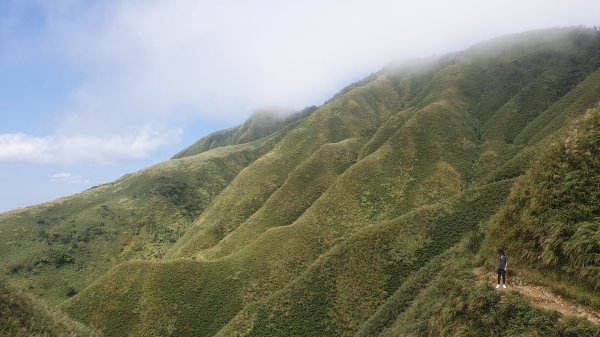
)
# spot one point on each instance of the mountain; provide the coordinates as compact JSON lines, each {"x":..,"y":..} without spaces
{"x":262,"y":123}
{"x":366,"y":216}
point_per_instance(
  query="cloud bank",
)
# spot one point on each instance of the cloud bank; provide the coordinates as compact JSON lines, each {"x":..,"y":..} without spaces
{"x":69,"y":149}
{"x":166,"y":64}
{"x":69,"y":178}
{"x":177,"y":59}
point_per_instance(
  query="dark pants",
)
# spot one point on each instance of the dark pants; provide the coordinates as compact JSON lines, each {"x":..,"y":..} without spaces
{"x":502,"y":272}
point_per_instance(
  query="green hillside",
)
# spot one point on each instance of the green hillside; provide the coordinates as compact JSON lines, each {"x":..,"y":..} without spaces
{"x":363,"y":217}
{"x":22,"y":315}
{"x":553,"y":214}
{"x":261,"y":124}
{"x":58,"y":248}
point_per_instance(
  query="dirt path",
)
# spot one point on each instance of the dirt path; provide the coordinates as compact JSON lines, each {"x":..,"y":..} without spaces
{"x":541,"y":297}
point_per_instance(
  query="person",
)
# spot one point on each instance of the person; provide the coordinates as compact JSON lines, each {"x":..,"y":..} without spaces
{"x":502,"y":267}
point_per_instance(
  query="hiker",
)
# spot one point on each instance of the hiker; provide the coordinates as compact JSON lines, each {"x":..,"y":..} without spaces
{"x":502,"y":267}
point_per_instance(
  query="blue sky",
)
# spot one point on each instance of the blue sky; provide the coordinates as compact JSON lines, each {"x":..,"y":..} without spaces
{"x":91,"y":90}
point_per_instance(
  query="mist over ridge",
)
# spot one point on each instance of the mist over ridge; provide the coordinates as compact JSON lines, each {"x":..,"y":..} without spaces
{"x":376,"y":213}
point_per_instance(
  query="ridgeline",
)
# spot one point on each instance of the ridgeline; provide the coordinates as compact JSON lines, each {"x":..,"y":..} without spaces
{"x":365,"y":216}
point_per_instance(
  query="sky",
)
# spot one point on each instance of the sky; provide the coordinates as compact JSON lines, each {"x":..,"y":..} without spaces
{"x":91,"y":90}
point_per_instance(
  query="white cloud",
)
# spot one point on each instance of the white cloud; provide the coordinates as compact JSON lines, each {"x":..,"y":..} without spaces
{"x":161,"y":64}
{"x":166,"y":61}
{"x":81,"y":148}
{"x":69,"y":178}
{"x":21,"y":147}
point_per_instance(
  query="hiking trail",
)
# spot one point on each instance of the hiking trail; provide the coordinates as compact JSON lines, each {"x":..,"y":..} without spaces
{"x":540,"y":296}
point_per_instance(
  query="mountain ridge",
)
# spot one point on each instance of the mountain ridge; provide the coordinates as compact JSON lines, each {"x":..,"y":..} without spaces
{"x":262,"y":123}
{"x":266,"y":234}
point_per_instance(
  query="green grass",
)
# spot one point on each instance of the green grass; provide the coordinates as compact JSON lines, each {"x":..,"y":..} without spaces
{"x":261,"y":124}
{"x":349,"y":219}
{"x":22,"y":315}
{"x":55,"y":247}
{"x":329,"y":300}
{"x":552,"y":216}
{"x":442,"y":300}
{"x":257,"y":182}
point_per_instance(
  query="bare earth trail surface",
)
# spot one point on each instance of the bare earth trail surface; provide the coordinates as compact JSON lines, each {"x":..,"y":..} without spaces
{"x":539,"y":296}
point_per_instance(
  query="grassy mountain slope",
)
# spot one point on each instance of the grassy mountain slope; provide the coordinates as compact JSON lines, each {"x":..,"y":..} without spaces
{"x":22,"y":315}
{"x":330,"y":300}
{"x":450,"y":304}
{"x":347,"y":221}
{"x":547,"y":223}
{"x":552,"y":216}
{"x":58,"y":248}
{"x":249,"y":191}
{"x":260,"y":124}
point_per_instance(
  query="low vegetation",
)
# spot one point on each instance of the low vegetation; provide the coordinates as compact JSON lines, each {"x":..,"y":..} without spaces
{"x":22,"y":315}
{"x":552,"y":217}
{"x":362,"y":217}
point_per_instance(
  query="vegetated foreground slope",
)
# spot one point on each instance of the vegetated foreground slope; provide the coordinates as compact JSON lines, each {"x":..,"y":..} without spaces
{"x":452,"y":305}
{"x":22,"y":315}
{"x":363,"y":217}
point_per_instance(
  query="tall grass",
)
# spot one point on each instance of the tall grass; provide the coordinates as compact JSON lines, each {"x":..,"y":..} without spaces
{"x":357,"y":218}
